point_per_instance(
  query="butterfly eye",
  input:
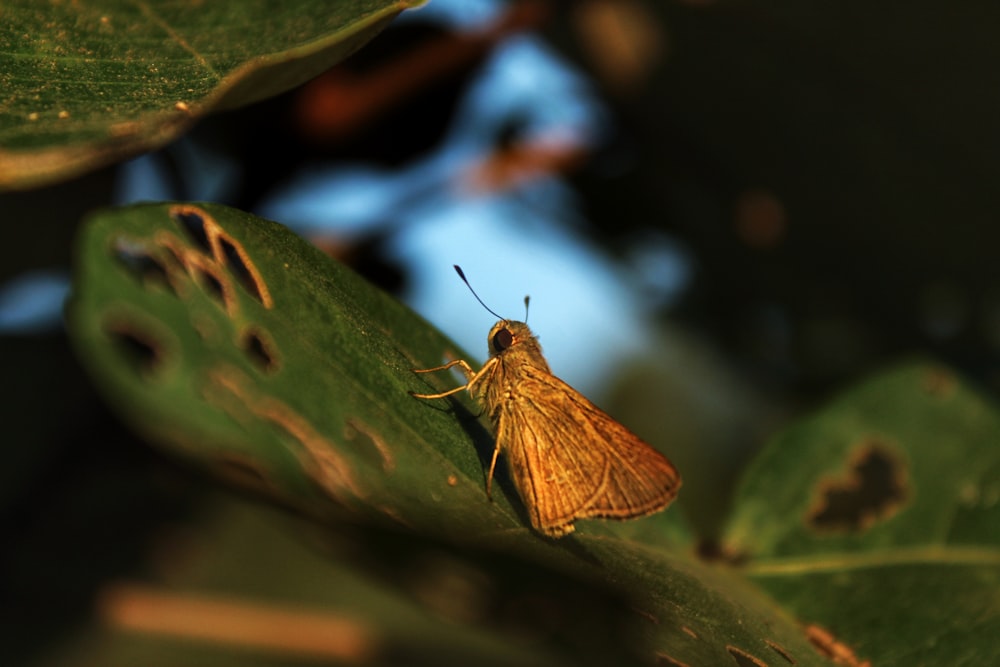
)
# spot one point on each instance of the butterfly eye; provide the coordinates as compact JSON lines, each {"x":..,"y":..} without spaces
{"x":502,"y":340}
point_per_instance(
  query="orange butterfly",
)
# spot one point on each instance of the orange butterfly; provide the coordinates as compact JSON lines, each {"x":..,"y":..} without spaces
{"x":568,"y":458}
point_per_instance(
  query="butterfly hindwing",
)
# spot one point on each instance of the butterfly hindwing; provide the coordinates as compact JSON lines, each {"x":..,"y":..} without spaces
{"x":570,"y":460}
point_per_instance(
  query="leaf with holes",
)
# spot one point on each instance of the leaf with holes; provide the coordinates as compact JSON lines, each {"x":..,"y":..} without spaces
{"x":231,"y":341}
{"x":236,"y":343}
{"x":87,"y":84}
{"x":877,"y":522}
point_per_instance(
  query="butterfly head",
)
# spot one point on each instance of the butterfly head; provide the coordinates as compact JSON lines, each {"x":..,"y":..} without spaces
{"x":508,"y":334}
{"x":510,"y":338}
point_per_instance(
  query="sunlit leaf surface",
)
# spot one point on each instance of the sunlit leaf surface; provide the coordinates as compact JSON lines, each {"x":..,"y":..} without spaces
{"x":87,"y":84}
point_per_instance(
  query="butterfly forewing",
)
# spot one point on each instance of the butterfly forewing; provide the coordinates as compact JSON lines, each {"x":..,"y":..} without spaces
{"x":553,"y":480}
{"x":570,"y":460}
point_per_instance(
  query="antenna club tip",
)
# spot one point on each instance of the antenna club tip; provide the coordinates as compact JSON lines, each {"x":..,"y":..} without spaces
{"x":465,"y":280}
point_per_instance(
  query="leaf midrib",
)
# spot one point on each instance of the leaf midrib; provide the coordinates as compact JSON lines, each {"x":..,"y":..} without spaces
{"x":922,"y":555}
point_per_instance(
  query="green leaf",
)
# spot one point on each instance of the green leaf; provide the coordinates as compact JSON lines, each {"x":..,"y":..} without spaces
{"x":234,"y":343}
{"x":285,"y":602}
{"x":89,"y":84}
{"x":878,"y":519}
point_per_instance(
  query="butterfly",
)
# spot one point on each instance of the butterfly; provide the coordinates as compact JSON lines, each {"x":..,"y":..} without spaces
{"x":568,"y":459}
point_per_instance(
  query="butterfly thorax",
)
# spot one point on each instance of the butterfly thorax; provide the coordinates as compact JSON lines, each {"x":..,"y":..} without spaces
{"x":514,"y":351}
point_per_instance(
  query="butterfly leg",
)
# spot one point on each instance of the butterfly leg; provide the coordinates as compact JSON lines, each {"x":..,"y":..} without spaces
{"x":493,"y":465}
{"x":456,"y":362}
{"x":466,"y":369}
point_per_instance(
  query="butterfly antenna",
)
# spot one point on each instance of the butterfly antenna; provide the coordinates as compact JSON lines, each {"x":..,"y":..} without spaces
{"x":465,"y":280}
{"x":527,"y":298}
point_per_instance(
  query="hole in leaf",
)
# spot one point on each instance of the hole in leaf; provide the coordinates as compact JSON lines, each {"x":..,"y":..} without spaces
{"x":873,"y":489}
{"x":744,"y":659}
{"x":780,"y":650}
{"x":235,"y":261}
{"x":137,"y":261}
{"x":212,"y":283}
{"x":139,"y":349}
{"x":259,"y":350}
{"x":192,"y":221}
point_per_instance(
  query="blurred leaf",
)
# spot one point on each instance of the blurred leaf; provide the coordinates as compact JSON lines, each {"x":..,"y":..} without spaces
{"x":83,"y":514}
{"x":87,"y":85}
{"x":235,"y":343}
{"x":879,"y":520}
{"x":241,"y":564}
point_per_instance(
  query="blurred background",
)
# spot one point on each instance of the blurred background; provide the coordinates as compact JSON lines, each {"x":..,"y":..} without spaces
{"x":724,"y":212}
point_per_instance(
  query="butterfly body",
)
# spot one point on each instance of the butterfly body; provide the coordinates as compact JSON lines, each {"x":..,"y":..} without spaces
{"x":569,"y":460}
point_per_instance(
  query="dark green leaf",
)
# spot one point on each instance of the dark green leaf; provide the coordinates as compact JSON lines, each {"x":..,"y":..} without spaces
{"x":237,"y":343}
{"x":879,"y":520}
{"x":88,"y":84}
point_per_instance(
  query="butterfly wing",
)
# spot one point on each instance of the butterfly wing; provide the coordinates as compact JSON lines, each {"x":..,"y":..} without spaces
{"x":570,"y":460}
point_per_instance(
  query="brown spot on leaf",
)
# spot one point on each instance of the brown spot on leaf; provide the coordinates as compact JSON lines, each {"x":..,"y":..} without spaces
{"x":874,"y":488}
{"x":829,"y":646}
{"x":357,"y":431}
{"x":744,"y":659}
{"x":780,"y":650}
{"x":452,"y":480}
{"x":241,"y":470}
{"x":126,"y":129}
{"x":689,"y":632}
{"x":206,"y":327}
{"x":664,"y":660}
{"x":646,"y":615}
{"x":317,"y":455}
